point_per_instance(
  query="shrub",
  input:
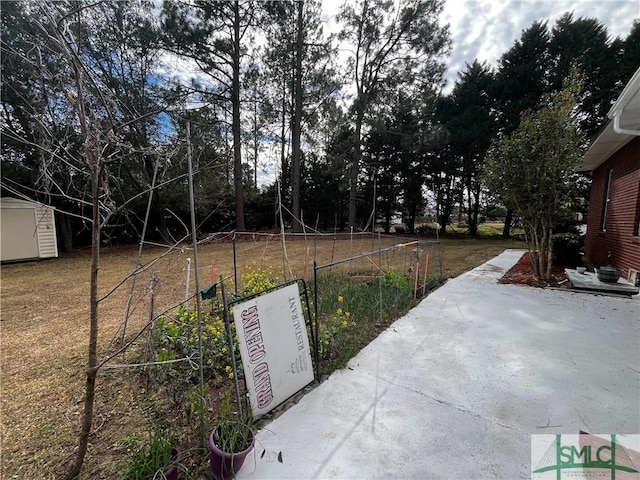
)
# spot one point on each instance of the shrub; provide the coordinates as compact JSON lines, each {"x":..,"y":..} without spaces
{"x":257,"y":279}
{"x":335,"y":328}
{"x":177,"y":337}
{"x":395,"y":279}
{"x":567,"y":248}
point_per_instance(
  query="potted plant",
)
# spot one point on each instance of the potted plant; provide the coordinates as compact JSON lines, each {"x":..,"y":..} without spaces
{"x":158,"y":459}
{"x":230,"y":442}
{"x":607,"y":273}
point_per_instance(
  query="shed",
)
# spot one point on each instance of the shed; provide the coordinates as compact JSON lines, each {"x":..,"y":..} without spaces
{"x":27,"y":229}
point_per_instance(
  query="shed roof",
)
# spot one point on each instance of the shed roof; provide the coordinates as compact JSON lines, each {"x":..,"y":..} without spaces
{"x":612,"y":139}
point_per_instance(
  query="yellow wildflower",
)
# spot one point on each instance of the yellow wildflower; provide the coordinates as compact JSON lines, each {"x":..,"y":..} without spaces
{"x":340,"y":298}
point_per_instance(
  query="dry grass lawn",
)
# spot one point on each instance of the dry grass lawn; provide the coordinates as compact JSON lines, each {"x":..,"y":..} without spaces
{"x":44,"y":332}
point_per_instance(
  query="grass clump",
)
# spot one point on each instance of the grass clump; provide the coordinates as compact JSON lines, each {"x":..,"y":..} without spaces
{"x":352,"y":312}
{"x":149,"y":460}
{"x":233,"y":433}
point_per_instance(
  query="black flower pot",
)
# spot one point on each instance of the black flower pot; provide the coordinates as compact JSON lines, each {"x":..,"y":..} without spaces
{"x":608,"y":274}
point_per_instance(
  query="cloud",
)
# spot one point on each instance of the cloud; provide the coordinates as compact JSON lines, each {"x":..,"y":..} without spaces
{"x":485,"y":29}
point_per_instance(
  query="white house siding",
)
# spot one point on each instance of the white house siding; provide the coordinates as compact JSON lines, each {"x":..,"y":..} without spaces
{"x":47,"y":242}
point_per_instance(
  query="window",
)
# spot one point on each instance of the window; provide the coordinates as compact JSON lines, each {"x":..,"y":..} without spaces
{"x":607,"y":199}
{"x":638,"y":213}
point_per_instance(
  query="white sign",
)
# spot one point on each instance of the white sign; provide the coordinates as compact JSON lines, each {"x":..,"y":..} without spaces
{"x":274,"y":347}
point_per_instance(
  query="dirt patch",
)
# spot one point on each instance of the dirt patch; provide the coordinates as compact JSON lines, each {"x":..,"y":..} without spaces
{"x":522,"y":274}
{"x":44,"y":328}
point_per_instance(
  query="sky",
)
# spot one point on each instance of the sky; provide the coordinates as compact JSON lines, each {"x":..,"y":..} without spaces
{"x":485,"y":29}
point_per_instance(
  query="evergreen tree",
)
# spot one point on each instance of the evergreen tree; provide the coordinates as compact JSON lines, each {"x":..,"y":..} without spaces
{"x":472,"y":126}
{"x":216,"y":35}
{"x":303,"y":81}
{"x":630,"y":55}
{"x":521,"y":79}
{"x":584,"y":43}
{"x":522,"y":76}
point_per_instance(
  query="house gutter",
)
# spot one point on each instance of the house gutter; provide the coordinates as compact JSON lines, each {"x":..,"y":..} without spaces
{"x":629,"y":93}
{"x":618,"y":129}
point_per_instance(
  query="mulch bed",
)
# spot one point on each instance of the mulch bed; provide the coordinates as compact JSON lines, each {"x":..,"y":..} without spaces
{"x":522,"y":274}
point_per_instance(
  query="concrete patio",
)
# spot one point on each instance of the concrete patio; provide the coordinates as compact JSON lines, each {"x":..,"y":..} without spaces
{"x":589,"y":281}
{"x":454,"y":389}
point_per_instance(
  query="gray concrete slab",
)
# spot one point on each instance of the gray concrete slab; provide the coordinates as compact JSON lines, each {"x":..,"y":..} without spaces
{"x":455,"y":388}
{"x":590,"y":281}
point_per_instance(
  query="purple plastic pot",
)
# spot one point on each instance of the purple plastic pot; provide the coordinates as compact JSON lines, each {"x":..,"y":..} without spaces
{"x":173,"y":473}
{"x":225,"y":465}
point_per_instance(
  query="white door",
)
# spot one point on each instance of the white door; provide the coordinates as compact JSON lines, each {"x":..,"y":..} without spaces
{"x":18,"y":234}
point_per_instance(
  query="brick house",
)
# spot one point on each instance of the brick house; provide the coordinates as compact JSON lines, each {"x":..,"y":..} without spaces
{"x":613,"y":219}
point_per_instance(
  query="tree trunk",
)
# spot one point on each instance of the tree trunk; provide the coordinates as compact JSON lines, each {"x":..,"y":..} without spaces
{"x":549,"y":253}
{"x":473,"y":202}
{"x":542,"y":246}
{"x":235,"y":100}
{"x":283,"y":130}
{"x":533,"y":243}
{"x":411,"y":223}
{"x":356,"y":156}
{"x":469,"y":212}
{"x":443,"y":220}
{"x":296,"y":160}
{"x":506,"y":230}
{"x":445,"y":206}
{"x":92,"y":372}
{"x":157,"y":216}
{"x":255,"y":137}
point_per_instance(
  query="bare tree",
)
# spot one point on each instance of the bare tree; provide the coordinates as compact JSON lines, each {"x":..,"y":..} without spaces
{"x":80,"y":135}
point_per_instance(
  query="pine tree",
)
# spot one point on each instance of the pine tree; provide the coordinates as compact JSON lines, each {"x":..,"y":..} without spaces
{"x":388,"y":47}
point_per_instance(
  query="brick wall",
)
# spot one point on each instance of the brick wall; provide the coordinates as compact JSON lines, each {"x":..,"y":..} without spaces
{"x":623,"y":212}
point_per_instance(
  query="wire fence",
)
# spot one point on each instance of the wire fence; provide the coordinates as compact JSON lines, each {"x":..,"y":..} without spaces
{"x":358,"y":284}
{"x":356,"y":297}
